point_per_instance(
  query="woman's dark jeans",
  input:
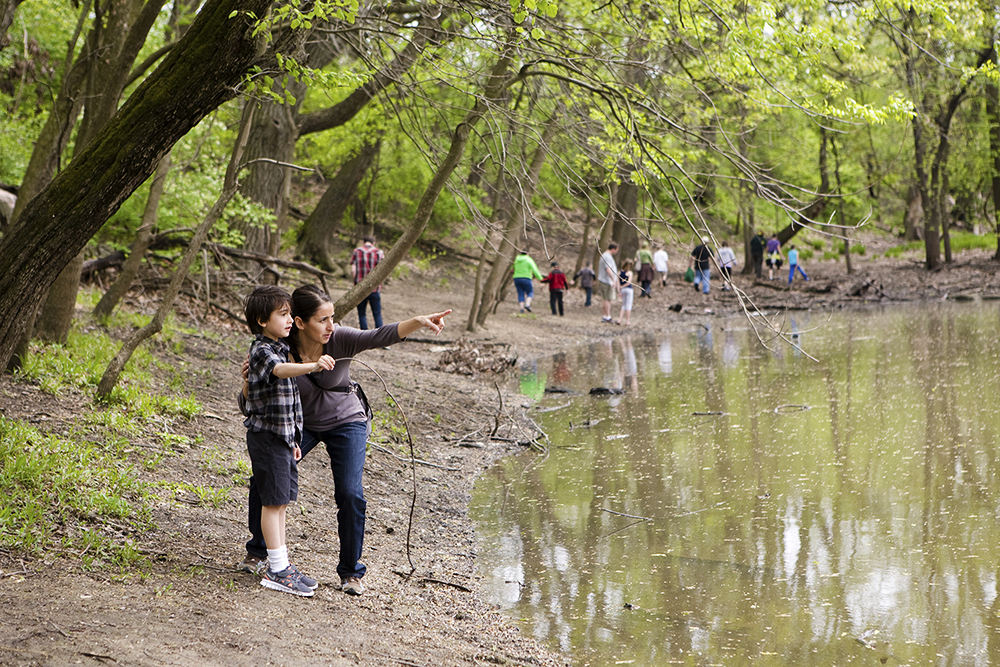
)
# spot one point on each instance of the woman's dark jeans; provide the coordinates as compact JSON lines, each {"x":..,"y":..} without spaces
{"x":346,"y":446}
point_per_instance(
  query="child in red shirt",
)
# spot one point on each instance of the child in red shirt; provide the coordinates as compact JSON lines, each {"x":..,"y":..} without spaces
{"x":557,"y":284}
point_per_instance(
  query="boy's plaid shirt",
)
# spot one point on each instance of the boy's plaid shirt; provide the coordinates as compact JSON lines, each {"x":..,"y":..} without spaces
{"x":366,"y":259}
{"x":273,"y":403}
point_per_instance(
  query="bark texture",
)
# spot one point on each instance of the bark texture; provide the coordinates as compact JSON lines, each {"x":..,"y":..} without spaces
{"x":110,"y":299}
{"x":199,"y":75}
{"x":320,"y":228}
{"x":7,"y":10}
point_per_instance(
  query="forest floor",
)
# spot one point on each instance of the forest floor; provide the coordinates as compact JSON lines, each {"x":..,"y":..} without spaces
{"x":190,"y":606}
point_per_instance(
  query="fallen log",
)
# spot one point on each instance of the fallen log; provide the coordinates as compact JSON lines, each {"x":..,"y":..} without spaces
{"x":92,"y":266}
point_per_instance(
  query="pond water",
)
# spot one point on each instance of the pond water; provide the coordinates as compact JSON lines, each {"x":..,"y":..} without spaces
{"x":744,"y":506}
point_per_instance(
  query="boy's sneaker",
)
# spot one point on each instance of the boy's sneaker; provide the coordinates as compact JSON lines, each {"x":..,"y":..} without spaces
{"x":352,"y":586}
{"x":253,"y":565}
{"x":286,"y":581}
{"x":310,"y":583}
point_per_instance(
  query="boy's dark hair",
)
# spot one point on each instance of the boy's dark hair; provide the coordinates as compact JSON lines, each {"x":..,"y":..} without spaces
{"x":261,"y":302}
{"x":368,"y":239}
{"x":612,"y":245}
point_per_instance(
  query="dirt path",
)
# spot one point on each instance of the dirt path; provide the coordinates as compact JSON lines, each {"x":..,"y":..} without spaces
{"x":193,"y":608}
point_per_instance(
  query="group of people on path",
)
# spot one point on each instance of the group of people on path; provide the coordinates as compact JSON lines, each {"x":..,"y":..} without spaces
{"x":762,"y":249}
{"x":609,"y":278}
{"x":613,"y":281}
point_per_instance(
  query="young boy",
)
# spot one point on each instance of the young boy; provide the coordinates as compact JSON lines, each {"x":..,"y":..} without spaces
{"x":793,"y":263}
{"x":274,"y":428}
{"x":557,"y":283}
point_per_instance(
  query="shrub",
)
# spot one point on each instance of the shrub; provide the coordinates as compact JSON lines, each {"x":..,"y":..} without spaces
{"x":69,"y":494}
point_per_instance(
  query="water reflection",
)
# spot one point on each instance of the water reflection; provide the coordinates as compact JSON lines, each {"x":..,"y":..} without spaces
{"x":709,"y":519}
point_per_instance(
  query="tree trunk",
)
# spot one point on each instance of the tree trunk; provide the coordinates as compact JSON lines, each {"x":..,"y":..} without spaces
{"x":747,"y":202}
{"x":229,"y":186}
{"x":8,"y":8}
{"x":816,"y":208}
{"x":502,"y":259}
{"x":110,"y":300}
{"x":913,"y":219}
{"x":320,"y":229}
{"x":498,"y":82}
{"x":115,"y":43}
{"x":516,"y":222}
{"x":945,"y":214}
{"x":55,"y":135}
{"x":500,"y":208}
{"x":840,"y":208}
{"x":993,"y":118}
{"x":604,"y":238}
{"x":585,"y":241}
{"x":477,"y":292}
{"x":195,"y":78}
{"x":626,"y":204}
{"x":272,"y":140}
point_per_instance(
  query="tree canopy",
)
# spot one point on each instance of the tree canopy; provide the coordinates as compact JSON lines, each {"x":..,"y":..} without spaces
{"x":484,"y":121}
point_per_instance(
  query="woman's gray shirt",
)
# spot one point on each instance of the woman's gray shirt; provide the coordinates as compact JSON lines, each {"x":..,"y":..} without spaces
{"x":323,"y":410}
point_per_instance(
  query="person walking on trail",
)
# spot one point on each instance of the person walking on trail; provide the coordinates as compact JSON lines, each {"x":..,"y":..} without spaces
{"x":701,"y":261}
{"x":757,"y":245}
{"x":774,"y":260}
{"x":607,"y":280}
{"x":557,"y":285}
{"x":334,"y":412}
{"x":586,"y":277}
{"x":363,"y":260}
{"x":524,"y":270}
{"x":660,"y":264}
{"x":793,"y":263}
{"x":627,"y":292}
{"x":727,"y":260}
{"x":644,"y":260}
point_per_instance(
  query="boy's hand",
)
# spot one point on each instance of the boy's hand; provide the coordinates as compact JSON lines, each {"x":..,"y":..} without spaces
{"x":245,"y":369}
{"x":325,"y":363}
{"x":297,"y":453}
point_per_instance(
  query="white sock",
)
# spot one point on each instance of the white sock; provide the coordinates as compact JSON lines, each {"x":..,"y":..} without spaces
{"x":277,"y":559}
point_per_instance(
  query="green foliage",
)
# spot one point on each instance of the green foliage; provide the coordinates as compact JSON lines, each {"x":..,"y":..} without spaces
{"x":856,"y":248}
{"x":968,"y":241}
{"x":195,"y":494}
{"x":69,"y":494}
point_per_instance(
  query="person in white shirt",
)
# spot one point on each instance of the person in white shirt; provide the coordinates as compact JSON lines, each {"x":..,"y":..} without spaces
{"x":727,"y":260}
{"x":607,"y":277}
{"x":660,"y":264}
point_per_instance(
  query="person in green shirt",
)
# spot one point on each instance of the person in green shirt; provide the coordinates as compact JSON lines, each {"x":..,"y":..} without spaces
{"x":644,"y":260}
{"x":524,"y":270}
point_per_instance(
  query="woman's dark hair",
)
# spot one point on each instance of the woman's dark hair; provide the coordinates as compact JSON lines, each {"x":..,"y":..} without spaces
{"x":306,"y":300}
{"x":261,"y":302}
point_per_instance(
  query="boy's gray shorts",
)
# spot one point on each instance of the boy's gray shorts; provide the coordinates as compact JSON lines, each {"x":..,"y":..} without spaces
{"x":274,"y":468}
